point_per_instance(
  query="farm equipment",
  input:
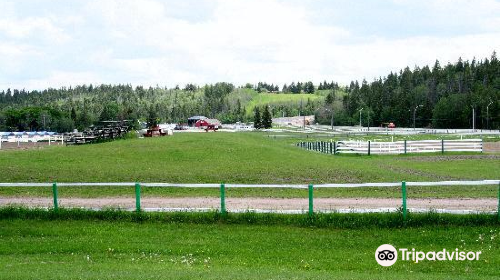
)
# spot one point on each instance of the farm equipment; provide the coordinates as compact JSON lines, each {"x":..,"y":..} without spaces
{"x":104,"y":130}
{"x":155,"y":131}
{"x":388,"y":125}
{"x":212,"y":127}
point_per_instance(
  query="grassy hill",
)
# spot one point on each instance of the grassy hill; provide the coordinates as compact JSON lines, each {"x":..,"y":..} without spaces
{"x":273,"y":99}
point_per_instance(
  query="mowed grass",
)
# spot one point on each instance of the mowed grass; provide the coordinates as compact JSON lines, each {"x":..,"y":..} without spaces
{"x":247,"y":158}
{"x":263,"y":99}
{"x":93,"y":249}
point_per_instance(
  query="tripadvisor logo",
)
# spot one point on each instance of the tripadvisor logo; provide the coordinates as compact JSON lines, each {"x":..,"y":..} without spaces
{"x":387,"y":255}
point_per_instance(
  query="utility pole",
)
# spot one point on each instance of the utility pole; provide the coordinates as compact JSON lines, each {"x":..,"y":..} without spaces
{"x":488,"y":115}
{"x":473,"y":119}
{"x":360,"y":117}
{"x":414,"y":113}
{"x":331,"y":121}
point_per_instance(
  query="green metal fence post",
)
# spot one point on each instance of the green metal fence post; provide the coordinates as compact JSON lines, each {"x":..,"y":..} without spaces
{"x":442,"y":146}
{"x":138,"y":197}
{"x":403,"y":189}
{"x":54,"y":193}
{"x":405,"y":147}
{"x":498,"y":210}
{"x":311,"y":205}
{"x":335,"y":147}
{"x":369,"y":147}
{"x":223,"y":198}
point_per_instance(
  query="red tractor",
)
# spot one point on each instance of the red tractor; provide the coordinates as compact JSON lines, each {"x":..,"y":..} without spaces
{"x":155,"y":131}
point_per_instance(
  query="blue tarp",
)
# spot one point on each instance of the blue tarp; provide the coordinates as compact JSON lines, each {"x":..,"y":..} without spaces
{"x":30,"y":133}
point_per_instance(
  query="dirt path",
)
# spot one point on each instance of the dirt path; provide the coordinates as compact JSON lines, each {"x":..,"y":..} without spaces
{"x":27,"y":146}
{"x":257,"y":203}
{"x":491,"y":147}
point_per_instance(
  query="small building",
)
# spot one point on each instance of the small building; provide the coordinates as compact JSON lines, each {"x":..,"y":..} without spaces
{"x":204,"y":123}
{"x":192,"y":120}
{"x":294,"y":121}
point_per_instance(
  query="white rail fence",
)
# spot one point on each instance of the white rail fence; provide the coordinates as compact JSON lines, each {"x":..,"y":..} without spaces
{"x":398,"y":147}
{"x":25,"y":138}
{"x":309,"y":187}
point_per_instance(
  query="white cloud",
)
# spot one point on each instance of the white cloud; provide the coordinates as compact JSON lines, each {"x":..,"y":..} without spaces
{"x":60,"y":78}
{"x":147,"y":42}
{"x":24,"y":28}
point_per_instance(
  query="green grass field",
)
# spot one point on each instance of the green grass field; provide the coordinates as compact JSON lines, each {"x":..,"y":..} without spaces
{"x":97,"y":249}
{"x":247,"y":158}
{"x":76,"y":244}
{"x":271,"y":99}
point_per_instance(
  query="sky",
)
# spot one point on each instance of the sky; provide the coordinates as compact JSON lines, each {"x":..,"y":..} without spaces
{"x":55,"y":43}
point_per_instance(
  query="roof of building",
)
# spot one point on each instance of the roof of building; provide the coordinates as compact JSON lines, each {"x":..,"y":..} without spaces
{"x":211,"y":121}
{"x":197,"y":118}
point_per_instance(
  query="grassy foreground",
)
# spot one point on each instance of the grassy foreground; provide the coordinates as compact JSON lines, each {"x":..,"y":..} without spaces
{"x":40,"y":248}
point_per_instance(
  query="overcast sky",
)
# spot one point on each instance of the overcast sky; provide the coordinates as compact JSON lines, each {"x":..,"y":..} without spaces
{"x":62,"y":43}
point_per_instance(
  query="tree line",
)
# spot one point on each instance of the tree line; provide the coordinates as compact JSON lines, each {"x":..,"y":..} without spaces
{"x":437,"y":96}
{"x":441,"y":96}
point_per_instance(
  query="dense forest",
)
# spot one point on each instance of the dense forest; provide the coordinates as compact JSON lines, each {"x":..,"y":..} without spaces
{"x":437,"y":96}
{"x":441,"y":96}
{"x":65,"y":109}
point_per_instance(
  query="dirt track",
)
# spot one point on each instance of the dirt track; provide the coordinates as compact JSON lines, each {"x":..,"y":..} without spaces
{"x":27,"y":146}
{"x":257,"y":203}
{"x":491,"y":147}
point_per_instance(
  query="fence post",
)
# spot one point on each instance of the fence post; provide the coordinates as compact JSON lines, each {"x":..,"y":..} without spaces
{"x":403,"y":190}
{"x":442,"y":146}
{"x":137,"y":197}
{"x":223,"y":198}
{"x":405,"y":147}
{"x":369,"y":147}
{"x":311,"y":205}
{"x":54,"y":193}
{"x":331,"y":148}
{"x":498,"y":210}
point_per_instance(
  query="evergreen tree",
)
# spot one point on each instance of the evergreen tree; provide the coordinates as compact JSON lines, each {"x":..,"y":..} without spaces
{"x":267,"y":121}
{"x":73,"y":114}
{"x":152,"y":117}
{"x":257,"y":121}
{"x":330,"y":98}
{"x":309,"y":87}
